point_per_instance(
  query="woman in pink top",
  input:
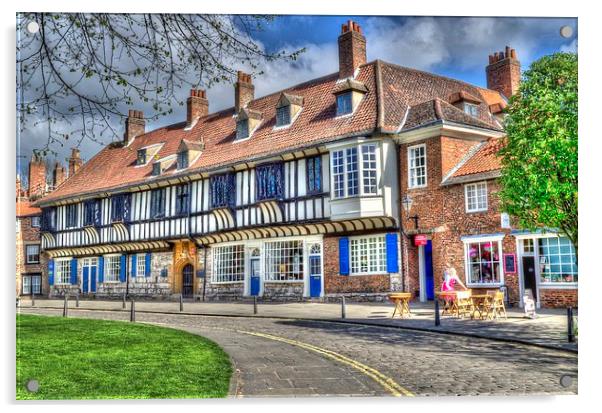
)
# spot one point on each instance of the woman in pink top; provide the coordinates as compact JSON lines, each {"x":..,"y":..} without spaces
{"x":450,"y":278}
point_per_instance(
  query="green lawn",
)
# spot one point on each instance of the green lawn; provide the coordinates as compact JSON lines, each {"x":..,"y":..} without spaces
{"x":96,"y":359}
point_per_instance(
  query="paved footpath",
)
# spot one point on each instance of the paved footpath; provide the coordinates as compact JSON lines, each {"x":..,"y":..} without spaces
{"x":279,"y":357}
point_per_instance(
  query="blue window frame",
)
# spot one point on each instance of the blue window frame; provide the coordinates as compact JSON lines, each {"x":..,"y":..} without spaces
{"x":92,"y":212}
{"x":120,"y":207}
{"x":183,"y":160}
{"x":242,"y":129}
{"x":48,"y":219}
{"x":71,"y":215}
{"x":344,"y":105}
{"x":283,"y":115}
{"x":314,"y":174}
{"x":158,"y":203}
{"x":182,"y":199}
{"x":223,"y":190}
{"x":141,"y":158}
{"x":269,"y":181}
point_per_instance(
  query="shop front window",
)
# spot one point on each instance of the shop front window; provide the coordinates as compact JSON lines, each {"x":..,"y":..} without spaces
{"x":557,"y":261}
{"x":284,"y":261}
{"x":483,"y":260}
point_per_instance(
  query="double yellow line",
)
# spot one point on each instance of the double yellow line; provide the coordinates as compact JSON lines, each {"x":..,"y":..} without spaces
{"x":385,"y":381}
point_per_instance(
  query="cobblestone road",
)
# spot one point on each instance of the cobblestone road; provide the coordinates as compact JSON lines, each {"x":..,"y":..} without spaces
{"x":302,"y":358}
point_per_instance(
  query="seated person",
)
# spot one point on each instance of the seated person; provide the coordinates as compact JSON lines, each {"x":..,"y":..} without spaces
{"x":450,"y":278}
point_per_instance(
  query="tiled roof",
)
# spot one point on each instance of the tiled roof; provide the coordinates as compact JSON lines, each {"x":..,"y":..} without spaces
{"x":391,"y":91}
{"x":484,"y":160}
{"x":25,"y":209}
{"x":437,"y":109}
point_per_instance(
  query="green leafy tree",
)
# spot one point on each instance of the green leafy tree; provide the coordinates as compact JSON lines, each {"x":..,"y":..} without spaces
{"x":539,"y":158}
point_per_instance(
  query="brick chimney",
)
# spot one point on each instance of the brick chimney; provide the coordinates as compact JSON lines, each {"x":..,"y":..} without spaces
{"x":134,"y":125}
{"x":197,"y":106}
{"x":37,"y":177}
{"x":58,"y":175}
{"x":244,"y":91}
{"x":352,"y":49}
{"x":75,"y":161}
{"x":503,"y":72}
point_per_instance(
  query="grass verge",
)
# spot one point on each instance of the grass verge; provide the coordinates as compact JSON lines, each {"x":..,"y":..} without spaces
{"x":97,"y":359}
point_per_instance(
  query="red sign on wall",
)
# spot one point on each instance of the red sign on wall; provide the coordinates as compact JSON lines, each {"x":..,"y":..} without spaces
{"x":420,"y":240}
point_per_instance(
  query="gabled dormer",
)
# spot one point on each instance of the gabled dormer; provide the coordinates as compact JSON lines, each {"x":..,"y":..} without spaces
{"x":349,"y":93}
{"x":145,"y":154}
{"x":466,"y":102}
{"x":188,"y":152}
{"x":161,"y":165}
{"x":247,"y":122}
{"x":287,"y":109}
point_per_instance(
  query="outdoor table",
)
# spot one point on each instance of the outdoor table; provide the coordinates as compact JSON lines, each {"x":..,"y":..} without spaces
{"x":480,"y":304}
{"x":448,"y":301}
{"x":402,"y":303}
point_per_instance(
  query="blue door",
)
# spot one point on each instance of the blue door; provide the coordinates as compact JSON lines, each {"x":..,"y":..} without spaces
{"x":315,"y":275}
{"x":428,"y":271}
{"x":255,"y":276}
{"x":93,"y":279}
{"x":85,"y":284}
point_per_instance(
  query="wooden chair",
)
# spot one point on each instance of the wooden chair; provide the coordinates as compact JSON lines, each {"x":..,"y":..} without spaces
{"x":496,"y":306}
{"x":464,"y":303}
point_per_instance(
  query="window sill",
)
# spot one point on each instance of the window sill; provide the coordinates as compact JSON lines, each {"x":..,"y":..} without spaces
{"x":227,"y":282}
{"x":477,"y":211}
{"x":484,"y":285}
{"x":366,"y":196}
{"x":368,"y":273}
{"x":417,"y":187}
{"x":559,"y":286}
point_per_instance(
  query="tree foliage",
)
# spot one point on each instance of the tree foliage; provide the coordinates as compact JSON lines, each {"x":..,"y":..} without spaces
{"x":540,"y":155}
{"x":79,"y":73}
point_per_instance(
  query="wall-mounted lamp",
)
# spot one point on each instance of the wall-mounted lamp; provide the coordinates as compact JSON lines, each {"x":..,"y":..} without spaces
{"x":407,"y":206}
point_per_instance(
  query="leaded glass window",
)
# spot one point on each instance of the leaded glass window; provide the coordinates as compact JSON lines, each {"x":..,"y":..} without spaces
{"x":283,"y":115}
{"x":242,"y":129}
{"x":223,"y":191}
{"x":120,"y":206}
{"x":314,"y":174}
{"x":92,"y":212}
{"x":344,"y":104}
{"x":182,"y":199}
{"x":269,"y":181}
{"x":158,"y":203}
{"x":71,"y":215}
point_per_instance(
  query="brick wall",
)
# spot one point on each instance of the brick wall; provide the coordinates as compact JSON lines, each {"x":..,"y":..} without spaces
{"x":558,"y":298}
{"x":28,"y":235}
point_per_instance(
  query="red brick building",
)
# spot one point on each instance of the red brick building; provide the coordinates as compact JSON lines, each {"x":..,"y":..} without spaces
{"x":302,"y":194}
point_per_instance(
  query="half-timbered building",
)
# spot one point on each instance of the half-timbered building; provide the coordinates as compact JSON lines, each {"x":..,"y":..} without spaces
{"x":287,"y":196}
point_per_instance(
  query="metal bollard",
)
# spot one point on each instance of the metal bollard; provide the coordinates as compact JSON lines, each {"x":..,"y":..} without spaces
{"x":77,"y":300}
{"x":343,"y":308}
{"x":123,"y":302}
{"x":181,"y":303}
{"x":254,"y":304}
{"x":66,"y":307}
{"x":33,"y":299}
{"x":437,"y":317}
{"x":571,"y":332}
{"x":133,"y":311}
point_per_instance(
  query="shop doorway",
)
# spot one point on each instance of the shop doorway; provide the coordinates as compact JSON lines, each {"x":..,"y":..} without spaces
{"x":529,"y":276}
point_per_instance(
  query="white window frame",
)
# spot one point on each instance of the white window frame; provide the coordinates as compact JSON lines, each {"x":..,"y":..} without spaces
{"x":27,"y":254}
{"x":225,"y":270}
{"x":476,"y":187}
{"x":62,"y":271}
{"x":108,"y":277}
{"x":26,"y":285}
{"x":539,"y":273}
{"x":471,"y":109}
{"x":140,"y":265}
{"x":410,"y":151}
{"x":360,"y":171}
{"x":299,"y":271}
{"x":472,"y":240}
{"x":379,"y":248}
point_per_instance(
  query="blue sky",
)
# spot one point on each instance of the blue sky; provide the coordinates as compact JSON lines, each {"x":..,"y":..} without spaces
{"x":451,"y":46}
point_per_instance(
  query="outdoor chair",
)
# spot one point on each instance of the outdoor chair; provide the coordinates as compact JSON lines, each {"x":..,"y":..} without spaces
{"x":464,"y":303}
{"x":496,"y":307}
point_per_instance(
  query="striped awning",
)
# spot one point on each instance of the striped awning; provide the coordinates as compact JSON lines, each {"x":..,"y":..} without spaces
{"x":327,"y":227}
{"x":108,"y":249}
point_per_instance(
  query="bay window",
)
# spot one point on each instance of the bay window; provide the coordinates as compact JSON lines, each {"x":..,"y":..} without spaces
{"x":62,"y":271}
{"x":284,"y":260}
{"x":417,"y":166}
{"x":557,"y":260}
{"x":368,"y":255}
{"x":483,"y":261}
{"x":229,"y":263}
{"x":347,"y":168}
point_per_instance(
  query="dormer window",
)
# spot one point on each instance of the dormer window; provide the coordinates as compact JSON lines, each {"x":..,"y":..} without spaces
{"x":141,"y":158}
{"x":183,"y":160}
{"x":242,"y":129}
{"x":471,"y":109}
{"x":156,"y":169}
{"x":344,"y":104}
{"x":283,"y":115}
